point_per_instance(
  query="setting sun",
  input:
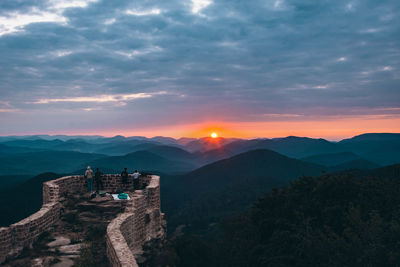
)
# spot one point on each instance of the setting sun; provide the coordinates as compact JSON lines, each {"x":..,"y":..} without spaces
{"x":214,"y":135}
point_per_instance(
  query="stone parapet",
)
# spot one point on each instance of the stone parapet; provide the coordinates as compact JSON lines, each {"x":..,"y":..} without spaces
{"x":16,"y":237}
{"x":5,"y":242}
{"x":139,"y":224}
{"x":118,"y":252}
{"x":55,"y":189}
{"x":126,"y":234}
{"x":26,"y":232}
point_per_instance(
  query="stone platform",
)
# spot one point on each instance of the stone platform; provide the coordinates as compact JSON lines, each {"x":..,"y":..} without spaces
{"x":70,"y":224}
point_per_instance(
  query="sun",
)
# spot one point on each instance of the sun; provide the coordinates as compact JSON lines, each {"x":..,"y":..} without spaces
{"x":214,"y":135}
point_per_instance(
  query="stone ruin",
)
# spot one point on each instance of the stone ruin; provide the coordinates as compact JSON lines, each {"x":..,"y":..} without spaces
{"x":141,"y":220}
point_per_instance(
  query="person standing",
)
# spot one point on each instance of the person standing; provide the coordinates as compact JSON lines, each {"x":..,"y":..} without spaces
{"x":89,"y":177}
{"x":136,"y":176}
{"x":99,"y":182}
{"x":124,"y":176}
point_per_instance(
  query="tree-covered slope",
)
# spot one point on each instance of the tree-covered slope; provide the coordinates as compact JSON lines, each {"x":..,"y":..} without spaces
{"x":227,"y":186}
{"x":341,"y":219}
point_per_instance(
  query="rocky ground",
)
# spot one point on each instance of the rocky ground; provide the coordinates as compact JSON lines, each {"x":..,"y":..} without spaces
{"x":77,"y":239}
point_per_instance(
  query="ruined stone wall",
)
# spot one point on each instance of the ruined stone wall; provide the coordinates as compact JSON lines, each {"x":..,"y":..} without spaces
{"x":113,"y":182}
{"x":5,"y":242}
{"x":118,"y":251}
{"x":56,"y":190}
{"x":156,"y":225}
{"x":22,"y":234}
{"x":141,"y":222}
{"x":25,"y":232}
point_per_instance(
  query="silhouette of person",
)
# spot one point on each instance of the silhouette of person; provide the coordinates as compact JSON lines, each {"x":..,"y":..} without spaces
{"x":89,"y":177}
{"x":136,"y":176}
{"x":124,"y":176}
{"x":98,"y":178}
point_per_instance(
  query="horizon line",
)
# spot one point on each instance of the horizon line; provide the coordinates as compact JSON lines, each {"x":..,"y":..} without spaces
{"x":196,"y":138}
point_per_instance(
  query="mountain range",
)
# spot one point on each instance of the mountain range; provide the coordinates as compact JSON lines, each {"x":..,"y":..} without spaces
{"x":196,"y":169}
{"x":37,"y":154}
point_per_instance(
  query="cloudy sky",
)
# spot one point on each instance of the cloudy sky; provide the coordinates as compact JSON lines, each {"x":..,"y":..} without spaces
{"x":327,"y":68}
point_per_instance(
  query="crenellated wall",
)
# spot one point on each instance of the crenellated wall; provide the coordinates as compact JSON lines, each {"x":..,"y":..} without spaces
{"x":126,"y":234}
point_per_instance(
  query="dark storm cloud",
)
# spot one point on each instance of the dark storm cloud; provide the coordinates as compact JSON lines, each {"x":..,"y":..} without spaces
{"x":237,"y":59}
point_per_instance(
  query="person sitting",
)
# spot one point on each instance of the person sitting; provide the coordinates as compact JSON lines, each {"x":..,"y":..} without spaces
{"x":89,"y":177}
{"x":136,"y":176}
{"x":98,"y":177}
{"x":124,"y":176}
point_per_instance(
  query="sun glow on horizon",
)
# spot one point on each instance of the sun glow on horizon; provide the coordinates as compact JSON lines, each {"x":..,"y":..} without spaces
{"x":332,"y":129}
{"x":214,"y":135}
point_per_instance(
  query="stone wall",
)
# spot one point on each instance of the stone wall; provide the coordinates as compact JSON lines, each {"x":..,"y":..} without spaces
{"x":16,"y":237}
{"x":141,"y":222}
{"x":56,"y":189}
{"x":118,"y":251}
{"x":5,"y":242}
{"x":25,"y":232}
{"x":126,"y":234}
{"x":22,"y":234}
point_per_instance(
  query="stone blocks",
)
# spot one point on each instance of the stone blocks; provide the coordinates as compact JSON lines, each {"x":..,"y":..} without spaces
{"x":5,"y":242}
{"x":138,"y":224}
{"x":126,"y":234}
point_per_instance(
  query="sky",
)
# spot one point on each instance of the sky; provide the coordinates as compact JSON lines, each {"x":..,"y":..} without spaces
{"x":260,"y":68}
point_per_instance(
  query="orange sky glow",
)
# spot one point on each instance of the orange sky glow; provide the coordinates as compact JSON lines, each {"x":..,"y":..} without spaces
{"x":332,"y":129}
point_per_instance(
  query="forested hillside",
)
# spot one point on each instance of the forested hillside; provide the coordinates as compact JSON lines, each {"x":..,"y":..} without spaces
{"x":202,"y":197}
{"x":341,"y":219}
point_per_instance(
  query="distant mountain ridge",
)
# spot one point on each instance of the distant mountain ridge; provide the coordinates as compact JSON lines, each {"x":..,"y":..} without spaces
{"x":373,"y":137}
{"x":33,"y":163}
{"x":141,"y":160}
{"x":367,"y":150}
{"x":331,"y":159}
